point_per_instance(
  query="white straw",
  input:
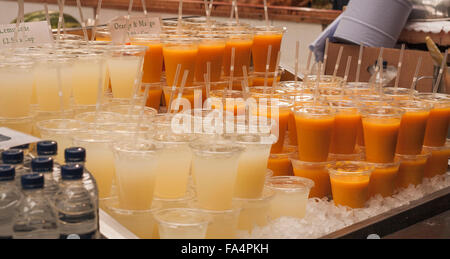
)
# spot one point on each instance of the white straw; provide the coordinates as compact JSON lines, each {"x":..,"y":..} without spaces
{"x":297,"y":48}
{"x":266,"y":74}
{"x":416,"y":74}
{"x":47,"y":17}
{"x":208,"y":78}
{"x":274,"y":82}
{"x":99,"y":88}
{"x":347,"y":69}
{"x":308,"y":63}
{"x":338,"y":61}
{"x":245,"y":85}
{"x":236,"y":13}
{"x":83,"y":23}
{"x":399,"y":68}
{"x":325,"y":55}
{"x":230,"y":86}
{"x":60,"y":19}
{"x":174,"y":86}
{"x":441,"y":71}
{"x":232,"y":10}
{"x":18,"y":20}
{"x":316,"y":88}
{"x":180,"y":15}
{"x":183,"y":83}
{"x":358,"y":68}
{"x":144,"y":7}
{"x":266,"y":14}
{"x":97,"y":15}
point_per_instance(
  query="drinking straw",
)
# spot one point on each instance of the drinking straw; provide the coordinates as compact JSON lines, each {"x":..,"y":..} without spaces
{"x":338,"y":61}
{"x":19,"y":20}
{"x":130,"y":7}
{"x":60,"y":92}
{"x":316,"y":88}
{"x":269,"y":52}
{"x":380,"y":70}
{"x":441,"y":71}
{"x":399,"y":68}
{"x":325,"y":57}
{"x":63,"y":21}
{"x":347,"y":70}
{"x":308,"y":62}
{"x":207,"y":78}
{"x":358,"y":69}
{"x":414,"y":82}
{"x":205,"y":2}
{"x":183,"y":83}
{"x":236,"y":12}
{"x":97,"y":14}
{"x":245,"y":86}
{"x":230,"y":85}
{"x":60,"y":19}
{"x":232,"y":10}
{"x":297,"y":47}
{"x":208,"y":13}
{"x":99,"y":89}
{"x":144,"y":7}
{"x":83,"y":23}
{"x":174,"y":85}
{"x":141,"y":114}
{"x":266,"y":14}
{"x":180,"y":15}
{"x":275,"y":75}
{"x":47,"y":17}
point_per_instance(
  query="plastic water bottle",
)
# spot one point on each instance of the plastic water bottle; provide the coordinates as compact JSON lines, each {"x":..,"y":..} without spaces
{"x":27,"y":156}
{"x":44,"y":165}
{"x":77,"y":211}
{"x":10,"y":199}
{"x":37,"y":218}
{"x":77,"y":155}
{"x":15,"y":157}
{"x":49,"y":148}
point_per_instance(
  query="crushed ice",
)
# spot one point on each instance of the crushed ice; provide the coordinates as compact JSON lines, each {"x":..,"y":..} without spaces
{"x":323,"y":217}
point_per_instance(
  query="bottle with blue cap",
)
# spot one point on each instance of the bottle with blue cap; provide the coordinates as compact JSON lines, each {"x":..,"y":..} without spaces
{"x":77,"y":210}
{"x":10,"y":198}
{"x":15,"y":158}
{"x":27,"y":156}
{"x":37,"y":217}
{"x":44,"y":165}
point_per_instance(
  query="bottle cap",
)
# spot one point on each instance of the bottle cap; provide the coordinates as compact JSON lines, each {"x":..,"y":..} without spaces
{"x":42,"y":164}
{"x":12,"y":156}
{"x":32,"y":181}
{"x":47,"y":148}
{"x":75,"y":155}
{"x":7,"y":172}
{"x":72,"y":171}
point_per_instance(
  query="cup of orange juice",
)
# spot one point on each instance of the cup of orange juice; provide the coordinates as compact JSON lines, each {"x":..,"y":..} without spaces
{"x":211,"y":48}
{"x":412,"y":169}
{"x":438,"y":121}
{"x":325,"y":81}
{"x":190,"y":93}
{"x":154,"y":94}
{"x":314,"y":131}
{"x":263,"y":38}
{"x":153,"y":59}
{"x":350,"y":183}
{"x":437,"y":163}
{"x":102,"y":34}
{"x":242,"y":42}
{"x":280,"y":164}
{"x":183,"y":51}
{"x":412,"y":126}
{"x":346,"y":124}
{"x":357,"y":156}
{"x":381,"y":125}
{"x":316,"y":171}
{"x":261,"y":79}
{"x":383,"y":178}
{"x":231,"y":101}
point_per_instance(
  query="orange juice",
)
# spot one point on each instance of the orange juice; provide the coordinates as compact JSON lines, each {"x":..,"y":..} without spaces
{"x":263,"y":38}
{"x":412,"y":169}
{"x":382,"y":179}
{"x":292,"y":130}
{"x":190,"y":93}
{"x":437,"y":125}
{"x":260,"y":77}
{"x":181,"y":51}
{"x":210,"y":49}
{"x":242,"y":43}
{"x":314,"y":129}
{"x":345,"y":130}
{"x":154,"y":95}
{"x":234,"y":101}
{"x":437,"y":163}
{"x":350,"y":183}
{"x":381,"y":125}
{"x":153,"y":59}
{"x":316,"y":171}
{"x":280,"y":163}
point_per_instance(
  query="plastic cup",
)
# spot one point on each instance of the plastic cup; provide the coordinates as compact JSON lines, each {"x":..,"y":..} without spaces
{"x":437,"y":163}
{"x":214,"y":167}
{"x":381,"y":126}
{"x":100,"y":120}
{"x":383,"y":178}
{"x":61,"y":131}
{"x":356,"y":89}
{"x":21,"y":124}
{"x":280,"y":164}
{"x":140,"y":222}
{"x":223,"y":224}
{"x":325,"y":81}
{"x":103,"y":34}
{"x":125,"y":69}
{"x":211,"y":48}
{"x":399,"y":93}
{"x":132,"y":113}
{"x":172,"y":177}
{"x":439,"y":119}
{"x":314,"y":131}
{"x":153,"y":59}
{"x":181,"y":51}
{"x":234,"y":101}
{"x":346,"y":123}
{"x":350,"y":183}
{"x":256,"y":211}
{"x":412,"y":126}
{"x":317,"y":172}
{"x":182,"y":223}
{"x":16,"y":87}
{"x":242,"y":42}
{"x":259,"y":78}
{"x":99,"y":158}
{"x":263,"y":37}
{"x":412,"y":169}
{"x":236,"y":82}
{"x":190,"y":94}
{"x":136,"y":169}
{"x":154,"y":95}
{"x":291,"y":196}
{"x":357,"y":156}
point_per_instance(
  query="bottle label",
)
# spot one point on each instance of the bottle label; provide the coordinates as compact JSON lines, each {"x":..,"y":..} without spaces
{"x":11,"y":138}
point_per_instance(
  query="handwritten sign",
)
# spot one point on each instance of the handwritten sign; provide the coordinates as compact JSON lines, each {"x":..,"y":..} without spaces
{"x":29,"y":34}
{"x":121,"y":27}
{"x":11,"y":138}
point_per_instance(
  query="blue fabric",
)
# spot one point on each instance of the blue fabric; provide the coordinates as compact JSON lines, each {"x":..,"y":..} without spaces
{"x":318,"y":46}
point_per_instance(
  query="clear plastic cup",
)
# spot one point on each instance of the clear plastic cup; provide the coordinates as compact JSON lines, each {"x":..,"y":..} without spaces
{"x":214,"y":167}
{"x":317,"y":172}
{"x":263,"y":37}
{"x":399,"y":93}
{"x":437,"y":163}
{"x":182,"y":223}
{"x":260,"y":78}
{"x":280,"y":164}
{"x":382,"y":179}
{"x":190,"y":95}
{"x":350,"y":183}
{"x":291,"y":196}
{"x":21,"y":124}
{"x":242,"y":42}
{"x":100,"y":120}
{"x":181,"y":51}
{"x":153,"y":59}
{"x":256,"y":211}
{"x":439,"y":119}
{"x":136,"y":169}
{"x":358,"y":88}
{"x":61,"y":131}
{"x":234,"y":101}
{"x":154,"y":95}
{"x":211,"y":49}
{"x":346,"y":123}
{"x":325,"y":81}
{"x":132,"y":113}
{"x":412,"y":169}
